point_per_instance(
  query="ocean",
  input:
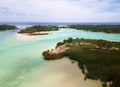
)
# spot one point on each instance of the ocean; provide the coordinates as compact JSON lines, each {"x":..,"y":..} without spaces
{"x":22,"y":63}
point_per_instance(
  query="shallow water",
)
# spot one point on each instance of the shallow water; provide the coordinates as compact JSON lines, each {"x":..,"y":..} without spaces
{"x":22,"y":64}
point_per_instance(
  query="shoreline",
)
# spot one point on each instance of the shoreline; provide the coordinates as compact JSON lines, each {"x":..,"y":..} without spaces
{"x":56,"y":53}
{"x":98,"y":59}
{"x":62,"y":47}
{"x":37,"y":33}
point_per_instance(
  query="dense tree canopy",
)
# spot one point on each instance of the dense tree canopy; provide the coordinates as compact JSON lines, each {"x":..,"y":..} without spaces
{"x":100,"y":58}
{"x":38,"y":28}
{"x":98,"y":28}
{"x":7,"y":27}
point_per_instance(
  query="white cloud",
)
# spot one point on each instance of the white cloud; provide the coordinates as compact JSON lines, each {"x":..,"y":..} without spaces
{"x":60,"y":10}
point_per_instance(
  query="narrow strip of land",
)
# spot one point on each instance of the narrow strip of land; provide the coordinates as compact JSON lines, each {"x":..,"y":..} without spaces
{"x":38,"y":30}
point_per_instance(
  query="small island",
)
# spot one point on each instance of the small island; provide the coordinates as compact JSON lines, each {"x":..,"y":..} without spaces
{"x":98,"y":59}
{"x":97,"y":28}
{"x":38,"y":30}
{"x":7,"y":27}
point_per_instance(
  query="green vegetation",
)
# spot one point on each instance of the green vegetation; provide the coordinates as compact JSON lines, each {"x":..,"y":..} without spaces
{"x":7,"y":27}
{"x":98,"y":28}
{"x":49,"y":56}
{"x":38,"y":28}
{"x":100,"y":58}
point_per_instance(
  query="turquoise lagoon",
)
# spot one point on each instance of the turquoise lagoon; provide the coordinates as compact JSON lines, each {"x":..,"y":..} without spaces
{"x":22,"y":63}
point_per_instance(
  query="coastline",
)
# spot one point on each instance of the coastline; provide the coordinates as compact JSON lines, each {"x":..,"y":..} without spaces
{"x":62,"y":47}
{"x":37,"y":33}
{"x":99,"y":58}
{"x":33,"y":49}
{"x":56,"y":53}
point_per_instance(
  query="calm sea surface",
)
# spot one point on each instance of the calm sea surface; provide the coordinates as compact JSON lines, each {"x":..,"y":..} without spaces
{"x":22,"y":63}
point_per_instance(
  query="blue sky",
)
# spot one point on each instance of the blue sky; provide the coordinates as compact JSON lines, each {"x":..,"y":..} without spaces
{"x":60,"y":10}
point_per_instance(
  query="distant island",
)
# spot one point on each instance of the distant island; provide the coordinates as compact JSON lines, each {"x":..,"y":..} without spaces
{"x":38,"y":30}
{"x":97,"y":28}
{"x":7,"y":27}
{"x":98,"y":59}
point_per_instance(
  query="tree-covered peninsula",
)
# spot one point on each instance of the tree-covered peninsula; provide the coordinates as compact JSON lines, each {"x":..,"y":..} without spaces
{"x":98,"y":28}
{"x":98,"y":59}
{"x":7,"y":27}
{"x":38,"y":30}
